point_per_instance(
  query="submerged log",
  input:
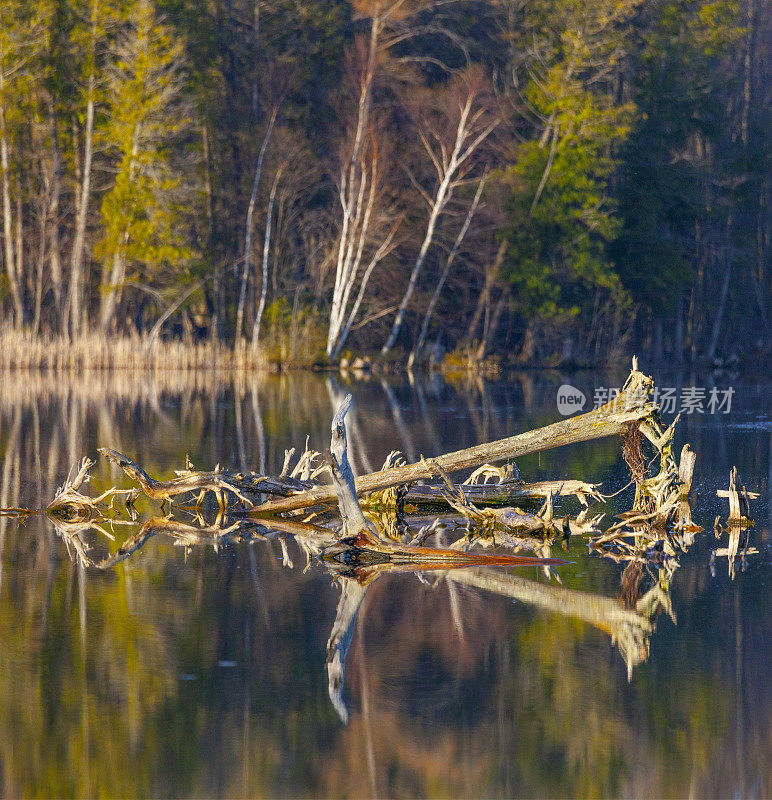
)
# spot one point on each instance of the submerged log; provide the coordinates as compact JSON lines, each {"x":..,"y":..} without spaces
{"x":501,"y":493}
{"x":631,"y":406}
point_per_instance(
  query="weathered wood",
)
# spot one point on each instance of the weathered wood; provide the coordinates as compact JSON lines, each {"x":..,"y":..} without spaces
{"x":164,"y":490}
{"x":358,"y":539}
{"x":500,"y":493}
{"x":686,"y":469}
{"x":739,"y":505}
{"x":70,"y":505}
{"x":632,"y":405}
{"x":356,"y":528}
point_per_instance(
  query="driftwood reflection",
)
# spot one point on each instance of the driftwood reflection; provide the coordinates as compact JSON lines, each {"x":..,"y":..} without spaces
{"x":738,"y":548}
{"x":355,"y":572}
{"x":650,"y":543}
{"x":630,"y":629}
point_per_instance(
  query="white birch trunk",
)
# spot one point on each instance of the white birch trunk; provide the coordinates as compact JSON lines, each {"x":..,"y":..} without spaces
{"x":446,"y":269}
{"x":447,"y":170}
{"x":54,"y":256}
{"x":248,"y":226}
{"x":266,"y":252}
{"x":354,"y":184}
{"x":8,"y":226}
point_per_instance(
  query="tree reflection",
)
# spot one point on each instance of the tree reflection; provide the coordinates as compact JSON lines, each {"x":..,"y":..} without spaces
{"x":630,"y":628}
{"x":116,"y":668}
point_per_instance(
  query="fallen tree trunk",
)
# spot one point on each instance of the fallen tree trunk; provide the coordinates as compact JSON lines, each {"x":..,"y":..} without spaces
{"x":500,"y":493}
{"x":631,"y":406}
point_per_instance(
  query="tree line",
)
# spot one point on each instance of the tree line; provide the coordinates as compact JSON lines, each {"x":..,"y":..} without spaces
{"x":550,"y":181}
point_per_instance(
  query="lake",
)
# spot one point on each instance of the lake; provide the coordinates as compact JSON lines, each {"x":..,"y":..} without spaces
{"x":197,"y":671}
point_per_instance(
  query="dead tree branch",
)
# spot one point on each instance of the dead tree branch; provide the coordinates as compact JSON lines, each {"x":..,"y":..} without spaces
{"x":632,"y":405}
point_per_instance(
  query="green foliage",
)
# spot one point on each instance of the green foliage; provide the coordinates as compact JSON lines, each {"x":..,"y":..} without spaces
{"x":143,"y":210}
{"x":666,"y":171}
{"x":561,"y":209}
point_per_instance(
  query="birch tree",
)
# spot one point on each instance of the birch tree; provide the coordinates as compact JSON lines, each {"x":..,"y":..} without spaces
{"x":463,"y":120}
{"x":369,"y":223}
{"x":92,"y":38}
{"x":266,"y":253}
{"x":248,"y":225}
{"x":364,"y":240}
{"x":446,"y":270}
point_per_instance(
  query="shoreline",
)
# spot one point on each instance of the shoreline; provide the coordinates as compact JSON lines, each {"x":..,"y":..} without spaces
{"x":22,"y":351}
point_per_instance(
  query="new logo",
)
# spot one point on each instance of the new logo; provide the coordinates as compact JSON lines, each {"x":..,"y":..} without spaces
{"x":570,"y":399}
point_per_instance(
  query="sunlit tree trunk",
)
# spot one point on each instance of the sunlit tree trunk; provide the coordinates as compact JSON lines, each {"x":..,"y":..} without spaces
{"x":355,"y":199}
{"x":445,"y":270}
{"x":469,"y":135}
{"x":248,"y":225}
{"x":52,"y":233}
{"x":9,"y":232}
{"x":266,"y":253}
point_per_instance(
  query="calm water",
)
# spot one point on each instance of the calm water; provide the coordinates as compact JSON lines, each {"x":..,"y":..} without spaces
{"x":191,"y":672}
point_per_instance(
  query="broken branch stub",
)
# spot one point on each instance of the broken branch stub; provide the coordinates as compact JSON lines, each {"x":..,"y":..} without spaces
{"x":739,"y":497}
{"x":631,"y":405}
{"x":355,"y":526}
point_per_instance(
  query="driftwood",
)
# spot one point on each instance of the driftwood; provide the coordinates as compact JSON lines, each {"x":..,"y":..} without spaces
{"x":631,"y":407}
{"x":738,"y":525}
{"x":431,"y":495}
{"x":304,"y":478}
{"x":71,"y":505}
{"x":359,"y":541}
{"x":739,"y":499}
{"x":200,"y":482}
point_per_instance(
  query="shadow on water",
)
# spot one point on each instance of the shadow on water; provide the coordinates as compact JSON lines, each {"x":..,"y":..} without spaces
{"x":199,"y":655}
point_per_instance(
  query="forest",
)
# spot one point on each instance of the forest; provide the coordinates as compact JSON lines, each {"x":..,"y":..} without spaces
{"x":551,"y":182}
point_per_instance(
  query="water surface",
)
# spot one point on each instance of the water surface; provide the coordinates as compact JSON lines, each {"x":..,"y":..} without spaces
{"x":190,"y":671}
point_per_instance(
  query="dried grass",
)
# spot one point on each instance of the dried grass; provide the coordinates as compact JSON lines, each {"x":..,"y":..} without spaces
{"x":23,"y":350}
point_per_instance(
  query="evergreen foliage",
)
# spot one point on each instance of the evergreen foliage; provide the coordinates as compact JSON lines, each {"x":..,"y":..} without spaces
{"x":145,"y":143}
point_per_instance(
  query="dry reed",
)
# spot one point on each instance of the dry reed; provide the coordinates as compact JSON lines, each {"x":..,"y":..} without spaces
{"x":23,"y":350}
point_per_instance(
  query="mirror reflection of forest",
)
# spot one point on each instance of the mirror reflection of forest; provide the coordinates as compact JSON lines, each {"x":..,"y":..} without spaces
{"x":191,"y":671}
